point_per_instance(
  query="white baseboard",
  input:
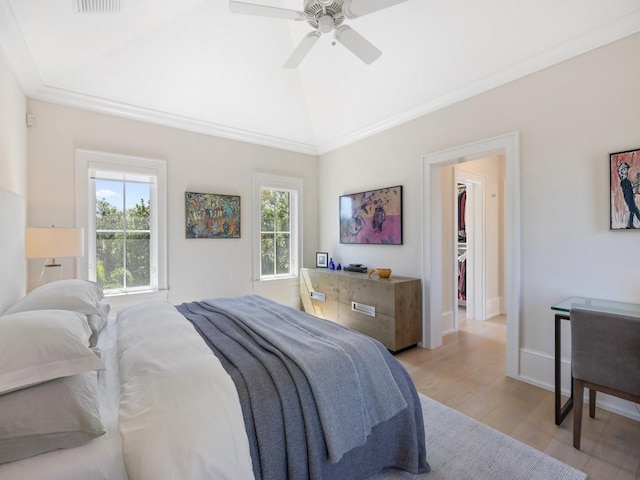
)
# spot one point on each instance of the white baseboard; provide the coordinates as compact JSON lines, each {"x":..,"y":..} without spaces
{"x":537,"y":368}
{"x":447,"y":322}
{"x":494,"y":307}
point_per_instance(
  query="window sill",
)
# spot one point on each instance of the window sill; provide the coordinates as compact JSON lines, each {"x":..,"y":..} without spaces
{"x":120,"y":301}
{"x":276,"y":282}
{"x":288,"y":279}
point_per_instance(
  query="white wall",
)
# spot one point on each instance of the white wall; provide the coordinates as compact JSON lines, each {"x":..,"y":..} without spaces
{"x":570,"y":117}
{"x":198,"y":268}
{"x":13,"y":179}
{"x":13,"y":132}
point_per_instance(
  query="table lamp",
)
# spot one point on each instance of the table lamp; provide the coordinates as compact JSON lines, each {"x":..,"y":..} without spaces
{"x":51,"y":243}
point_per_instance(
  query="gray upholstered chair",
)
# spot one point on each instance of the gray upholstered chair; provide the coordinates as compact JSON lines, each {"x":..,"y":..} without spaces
{"x":605,"y":357}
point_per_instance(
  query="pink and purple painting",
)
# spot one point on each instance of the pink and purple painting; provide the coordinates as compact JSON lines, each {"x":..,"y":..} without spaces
{"x":373,"y":217}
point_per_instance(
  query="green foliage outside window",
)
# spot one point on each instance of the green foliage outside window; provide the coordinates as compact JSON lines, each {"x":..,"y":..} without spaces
{"x":275,"y":244}
{"x":123,"y":245}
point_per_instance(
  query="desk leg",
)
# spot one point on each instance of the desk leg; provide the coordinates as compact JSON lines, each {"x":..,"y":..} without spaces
{"x":561,"y":410}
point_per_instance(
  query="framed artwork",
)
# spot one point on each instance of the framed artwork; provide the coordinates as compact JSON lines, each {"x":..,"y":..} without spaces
{"x":322,"y":260}
{"x":624,"y":175}
{"x":373,"y":217}
{"x":209,"y":215}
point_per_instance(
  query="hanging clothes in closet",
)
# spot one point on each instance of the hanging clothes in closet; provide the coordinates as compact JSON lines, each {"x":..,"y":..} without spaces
{"x":462,"y":203}
{"x":462,"y":276}
{"x":462,"y":243}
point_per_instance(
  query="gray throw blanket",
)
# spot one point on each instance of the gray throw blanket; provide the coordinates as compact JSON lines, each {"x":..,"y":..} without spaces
{"x":324,"y":395}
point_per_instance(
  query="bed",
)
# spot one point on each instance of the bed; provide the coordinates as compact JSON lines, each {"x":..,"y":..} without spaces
{"x":234,"y":388}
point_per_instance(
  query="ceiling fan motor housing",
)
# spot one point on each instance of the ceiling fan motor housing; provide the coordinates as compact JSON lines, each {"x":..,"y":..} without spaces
{"x":319,"y":12}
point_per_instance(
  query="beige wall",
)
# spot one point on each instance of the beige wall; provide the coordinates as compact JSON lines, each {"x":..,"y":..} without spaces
{"x":197,"y":268}
{"x":570,"y":117}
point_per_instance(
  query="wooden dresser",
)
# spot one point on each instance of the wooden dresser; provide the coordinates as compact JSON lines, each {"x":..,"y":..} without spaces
{"x":389,"y":310}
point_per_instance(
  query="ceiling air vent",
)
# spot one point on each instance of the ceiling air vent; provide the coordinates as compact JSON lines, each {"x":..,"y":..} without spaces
{"x":98,"y":6}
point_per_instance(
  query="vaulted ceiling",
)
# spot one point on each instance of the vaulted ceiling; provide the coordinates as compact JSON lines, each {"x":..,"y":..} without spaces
{"x":195,"y":65}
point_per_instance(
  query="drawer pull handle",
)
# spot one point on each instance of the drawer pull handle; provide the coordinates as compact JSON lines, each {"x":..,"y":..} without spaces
{"x":321,"y":297}
{"x":363,"y":308}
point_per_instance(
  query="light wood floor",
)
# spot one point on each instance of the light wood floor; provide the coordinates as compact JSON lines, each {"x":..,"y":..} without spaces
{"x":468,"y":374}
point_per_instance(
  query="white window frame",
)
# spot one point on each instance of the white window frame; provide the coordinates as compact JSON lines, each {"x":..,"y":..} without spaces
{"x":88,"y":161}
{"x":294,"y":186}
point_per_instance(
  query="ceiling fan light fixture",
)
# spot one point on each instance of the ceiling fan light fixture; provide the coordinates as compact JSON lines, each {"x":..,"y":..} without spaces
{"x":323,"y":16}
{"x":325,"y":24}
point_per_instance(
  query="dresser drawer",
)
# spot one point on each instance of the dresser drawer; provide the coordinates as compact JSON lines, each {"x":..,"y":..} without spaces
{"x":380,"y":294}
{"x":381,"y":327}
{"x":327,"y":310}
{"x":320,"y":282}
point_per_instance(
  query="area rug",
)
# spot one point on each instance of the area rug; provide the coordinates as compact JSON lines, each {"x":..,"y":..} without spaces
{"x":461,"y":448}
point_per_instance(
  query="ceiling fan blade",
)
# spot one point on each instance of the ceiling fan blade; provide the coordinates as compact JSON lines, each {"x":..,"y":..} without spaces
{"x":357,"y":44}
{"x":301,"y":51}
{"x":264,"y":11}
{"x":359,"y":8}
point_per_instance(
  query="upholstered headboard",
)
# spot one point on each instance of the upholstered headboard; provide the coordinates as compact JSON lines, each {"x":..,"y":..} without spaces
{"x":12,"y":262}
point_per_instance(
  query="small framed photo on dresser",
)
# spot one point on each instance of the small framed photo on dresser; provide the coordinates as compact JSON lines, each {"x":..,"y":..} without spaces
{"x":322,"y":260}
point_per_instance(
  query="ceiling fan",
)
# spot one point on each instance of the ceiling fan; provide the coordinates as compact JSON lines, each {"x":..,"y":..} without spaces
{"x":324,"y":16}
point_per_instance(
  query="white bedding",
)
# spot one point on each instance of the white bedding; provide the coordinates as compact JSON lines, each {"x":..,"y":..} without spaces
{"x":166,"y":402}
{"x":100,"y":459}
{"x":180,"y":415}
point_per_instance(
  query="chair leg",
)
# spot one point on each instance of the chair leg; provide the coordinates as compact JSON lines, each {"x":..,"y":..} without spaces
{"x":592,"y":403}
{"x":578,"y":401}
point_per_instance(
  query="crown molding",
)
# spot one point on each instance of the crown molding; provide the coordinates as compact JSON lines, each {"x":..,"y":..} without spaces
{"x":142,"y":114}
{"x":617,"y":29}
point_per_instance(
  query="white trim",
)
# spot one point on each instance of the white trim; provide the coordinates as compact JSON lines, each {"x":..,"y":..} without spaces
{"x":85,"y":160}
{"x":536,"y":365}
{"x":142,"y":114}
{"x":282,"y":183}
{"x":432,"y":237}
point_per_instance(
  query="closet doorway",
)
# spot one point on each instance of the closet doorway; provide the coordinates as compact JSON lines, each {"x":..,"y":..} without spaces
{"x":434,"y":167}
{"x":469,"y":263}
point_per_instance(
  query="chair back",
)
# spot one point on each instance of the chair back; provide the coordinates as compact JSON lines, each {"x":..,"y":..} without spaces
{"x":605,"y":349}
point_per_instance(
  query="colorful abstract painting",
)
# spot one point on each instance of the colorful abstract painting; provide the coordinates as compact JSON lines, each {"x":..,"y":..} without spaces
{"x":625,"y":188}
{"x":209,"y":215}
{"x":373,"y":217}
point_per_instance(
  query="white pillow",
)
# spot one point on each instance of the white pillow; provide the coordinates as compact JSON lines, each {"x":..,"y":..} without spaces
{"x":41,"y":345}
{"x":97,"y":321}
{"x":73,"y":294}
{"x":61,"y":413}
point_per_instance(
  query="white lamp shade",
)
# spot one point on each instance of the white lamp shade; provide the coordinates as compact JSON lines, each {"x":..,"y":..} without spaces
{"x":54,"y":242}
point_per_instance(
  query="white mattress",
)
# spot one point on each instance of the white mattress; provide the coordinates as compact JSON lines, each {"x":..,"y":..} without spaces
{"x":96,"y":460}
